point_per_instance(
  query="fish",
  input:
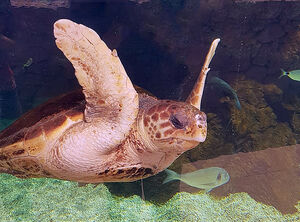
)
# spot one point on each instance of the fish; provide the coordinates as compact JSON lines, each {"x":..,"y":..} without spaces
{"x":28,"y":63}
{"x":207,"y":179}
{"x":294,"y":75}
{"x":226,"y":88}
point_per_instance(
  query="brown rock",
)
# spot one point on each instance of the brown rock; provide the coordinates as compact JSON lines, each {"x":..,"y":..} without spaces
{"x":269,"y":34}
{"x":270,"y":176}
{"x":54,"y":4}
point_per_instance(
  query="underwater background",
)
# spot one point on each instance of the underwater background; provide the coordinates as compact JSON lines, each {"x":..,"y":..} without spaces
{"x":253,"y":111}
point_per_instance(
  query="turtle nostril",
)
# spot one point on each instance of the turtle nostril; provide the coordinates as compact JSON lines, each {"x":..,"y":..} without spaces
{"x":202,"y":117}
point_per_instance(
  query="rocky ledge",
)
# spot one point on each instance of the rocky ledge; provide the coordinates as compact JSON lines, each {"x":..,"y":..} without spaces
{"x":270,"y":176}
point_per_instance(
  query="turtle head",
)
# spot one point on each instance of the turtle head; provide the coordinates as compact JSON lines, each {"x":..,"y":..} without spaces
{"x":175,"y":124}
{"x":180,"y":125}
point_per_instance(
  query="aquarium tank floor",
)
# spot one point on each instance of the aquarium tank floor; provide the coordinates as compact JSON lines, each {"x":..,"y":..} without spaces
{"x":56,"y":200}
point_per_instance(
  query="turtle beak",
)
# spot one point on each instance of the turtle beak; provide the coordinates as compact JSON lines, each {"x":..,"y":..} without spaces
{"x":200,"y":130}
{"x":196,"y":132}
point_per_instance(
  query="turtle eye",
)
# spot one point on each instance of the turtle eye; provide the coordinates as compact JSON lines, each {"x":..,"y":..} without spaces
{"x":176,"y":123}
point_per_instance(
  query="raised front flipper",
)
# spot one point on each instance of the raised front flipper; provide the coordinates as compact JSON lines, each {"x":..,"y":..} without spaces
{"x":108,"y":91}
{"x":196,"y":95}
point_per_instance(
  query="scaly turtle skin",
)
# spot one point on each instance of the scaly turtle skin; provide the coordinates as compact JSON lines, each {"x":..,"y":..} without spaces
{"x":106,"y":132}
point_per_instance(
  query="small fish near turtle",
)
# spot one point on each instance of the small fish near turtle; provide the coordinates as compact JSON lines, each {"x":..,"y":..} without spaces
{"x":207,"y":179}
{"x":106,"y":132}
{"x":216,"y":82}
{"x":294,"y":74}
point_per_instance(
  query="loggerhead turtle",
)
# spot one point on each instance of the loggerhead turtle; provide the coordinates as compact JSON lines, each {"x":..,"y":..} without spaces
{"x":106,"y":132}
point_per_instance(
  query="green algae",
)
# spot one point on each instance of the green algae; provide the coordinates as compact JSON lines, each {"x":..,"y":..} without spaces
{"x":257,"y":123}
{"x":55,"y":200}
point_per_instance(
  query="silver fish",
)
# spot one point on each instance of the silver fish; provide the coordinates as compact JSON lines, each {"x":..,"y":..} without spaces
{"x":294,"y":75}
{"x":206,"y":179}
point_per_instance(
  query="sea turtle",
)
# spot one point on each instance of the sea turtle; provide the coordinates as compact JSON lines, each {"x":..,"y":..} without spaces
{"x":106,"y":132}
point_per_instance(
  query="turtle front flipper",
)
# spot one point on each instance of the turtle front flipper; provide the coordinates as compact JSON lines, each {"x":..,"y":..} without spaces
{"x":108,"y":91}
{"x":196,"y":95}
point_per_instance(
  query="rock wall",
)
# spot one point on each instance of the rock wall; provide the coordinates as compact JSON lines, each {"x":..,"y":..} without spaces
{"x":52,"y":4}
{"x":270,"y":176}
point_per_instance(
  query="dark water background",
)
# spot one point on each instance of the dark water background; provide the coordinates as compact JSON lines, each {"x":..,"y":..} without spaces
{"x":162,"y":45}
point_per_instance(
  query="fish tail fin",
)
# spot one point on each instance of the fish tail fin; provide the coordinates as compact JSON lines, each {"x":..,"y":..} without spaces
{"x":171,"y":175}
{"x":236,"y":101}
{"x":238,"y":104}
{"x":283,"y":73}
{"x":208,"y":190}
